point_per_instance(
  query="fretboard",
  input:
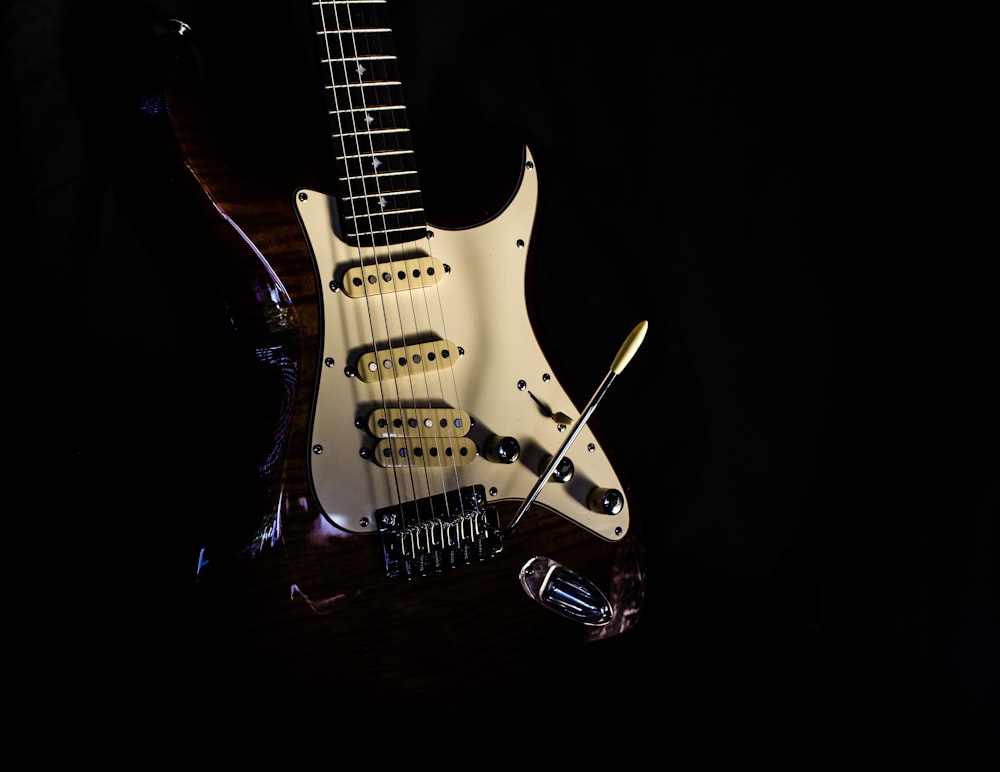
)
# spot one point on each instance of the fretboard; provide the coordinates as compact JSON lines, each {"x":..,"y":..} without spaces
{"x":377,"y":188}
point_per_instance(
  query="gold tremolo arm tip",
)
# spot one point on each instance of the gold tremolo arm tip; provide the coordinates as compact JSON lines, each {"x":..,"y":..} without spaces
{"x":629,"y":347}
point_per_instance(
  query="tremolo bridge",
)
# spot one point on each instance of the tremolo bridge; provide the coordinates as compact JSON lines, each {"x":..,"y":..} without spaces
{"x":439,"y":532}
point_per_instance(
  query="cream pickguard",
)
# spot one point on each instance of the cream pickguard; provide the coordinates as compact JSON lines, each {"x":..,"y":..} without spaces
{"x":450,"y":352}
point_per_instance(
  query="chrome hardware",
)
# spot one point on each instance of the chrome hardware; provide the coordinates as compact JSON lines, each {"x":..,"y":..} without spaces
{"x":565,"y":592}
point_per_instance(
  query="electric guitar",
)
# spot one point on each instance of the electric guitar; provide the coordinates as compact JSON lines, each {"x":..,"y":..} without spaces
{"x":405,"y":408}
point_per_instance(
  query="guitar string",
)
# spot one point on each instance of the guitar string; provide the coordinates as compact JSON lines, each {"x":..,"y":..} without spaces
{"x":380,"y":215}
{"x":426,"y":294}
{"x":390,"y":77}
{"x":341,"y":134}
{"x":394,"y":298}
{"x":441,"y":373}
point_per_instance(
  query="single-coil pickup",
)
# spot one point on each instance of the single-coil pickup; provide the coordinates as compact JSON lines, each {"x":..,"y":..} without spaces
{"x":423,"y":451}
{"x":392,"y":276}
{"x":403,"y":361}
{"x":418,"y":422}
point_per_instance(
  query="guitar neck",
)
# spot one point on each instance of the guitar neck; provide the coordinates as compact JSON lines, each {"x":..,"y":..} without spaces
{"x":378,"y":194}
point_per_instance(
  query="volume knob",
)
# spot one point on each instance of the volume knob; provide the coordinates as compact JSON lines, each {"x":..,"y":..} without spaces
{"x":502,"y":450}
{"x":607,"y":501}
{"x":563,"y":472}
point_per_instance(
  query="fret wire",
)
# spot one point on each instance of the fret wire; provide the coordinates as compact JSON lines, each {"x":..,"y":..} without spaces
{"x":382,"y":175}
{"x":357,"y":134}
{"x":380,"y":213}
{"x":366,"y":84}
{"x":365,"y":30}
{"x":373,"y":109}
{"x":379,"y":153}
{"x":407,"y":192}
{"x":359,"y":58}
{"x":381,"y":231}
{"x":348,"y":2}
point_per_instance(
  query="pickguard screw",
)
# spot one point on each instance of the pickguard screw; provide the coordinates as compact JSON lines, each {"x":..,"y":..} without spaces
{"x":318,"y":449}
{"x":303,"y":196}
{"x":328,"y":362}
{"x":521,"y":385}
{"x":363,"y":522}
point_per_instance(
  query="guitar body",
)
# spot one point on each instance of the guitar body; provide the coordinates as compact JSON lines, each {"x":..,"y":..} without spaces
{"x":358,"y":555}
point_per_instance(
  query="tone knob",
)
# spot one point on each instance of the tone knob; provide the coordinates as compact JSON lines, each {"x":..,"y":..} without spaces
{"x":607,"y":501}
{"x":563,"y":472}
{"x":502,"y":450}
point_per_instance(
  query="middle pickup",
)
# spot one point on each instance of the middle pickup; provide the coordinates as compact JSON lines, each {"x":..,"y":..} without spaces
{"x":418,"y":422}
{"x":406,"y":360}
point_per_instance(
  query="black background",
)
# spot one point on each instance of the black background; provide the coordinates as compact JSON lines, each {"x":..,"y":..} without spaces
{"x":809,"y":429}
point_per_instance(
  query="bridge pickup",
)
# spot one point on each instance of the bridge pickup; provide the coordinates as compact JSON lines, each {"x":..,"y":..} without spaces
{"x":423,"y":452}
{"x":390,"y":276}
{"x":437,"y":533}
{"x":418,"y":422}
{"x":404,"y":361}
